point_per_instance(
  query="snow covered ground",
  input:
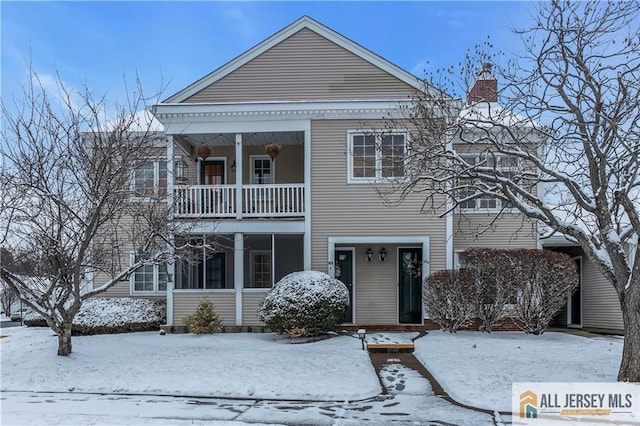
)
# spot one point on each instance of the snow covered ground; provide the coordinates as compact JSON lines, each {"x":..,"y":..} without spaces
{"x":132,"y":378}
{"x":479,"y":368}
{"x":226,"y":365}
{"x":137,"y":372}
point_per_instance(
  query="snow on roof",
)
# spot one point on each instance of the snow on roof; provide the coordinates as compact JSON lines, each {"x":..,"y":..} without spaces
{"x":141,"y":121}
{"x":486,"y":114}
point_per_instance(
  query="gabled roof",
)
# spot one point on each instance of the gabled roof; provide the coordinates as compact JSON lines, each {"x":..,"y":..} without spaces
{"x":304,"y":22}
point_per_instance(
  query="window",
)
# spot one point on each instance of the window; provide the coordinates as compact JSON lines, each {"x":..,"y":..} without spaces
{"x":393,"y":156}
{"x":261,"y":269}
{"x":376,"y":157}
{"x":150,"y":179}
{"x":261,"y":173}
{"x":508,"y":166}
{"x":150,"y":278}
{"x":203,"y":272}
{"x":214,"y":274}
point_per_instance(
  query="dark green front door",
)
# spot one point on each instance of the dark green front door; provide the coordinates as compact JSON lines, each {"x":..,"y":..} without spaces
{"x":344,"y":272}
{"x":410,"y":285}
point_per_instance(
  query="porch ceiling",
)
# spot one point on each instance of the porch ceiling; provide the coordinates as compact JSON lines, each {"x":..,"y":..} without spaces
{"x":226,"y":139}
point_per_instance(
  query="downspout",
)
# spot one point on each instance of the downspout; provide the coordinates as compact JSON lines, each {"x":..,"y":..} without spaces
{"x":448,"y":226}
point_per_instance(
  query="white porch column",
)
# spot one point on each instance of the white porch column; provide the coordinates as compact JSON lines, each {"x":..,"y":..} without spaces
{"x":238,"y":273}
{"x":171,"y":269}
{"x":307,"y":198}
{"x":239,"y":176}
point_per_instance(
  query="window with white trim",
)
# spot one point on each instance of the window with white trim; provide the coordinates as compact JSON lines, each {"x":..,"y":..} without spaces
{"x":261,"y":269}
{"x":150,"y":179}
{"x":507,"y":165}
{"x":149,"y":278}
{"x":261,"y":170}
{"x":376,"y":156}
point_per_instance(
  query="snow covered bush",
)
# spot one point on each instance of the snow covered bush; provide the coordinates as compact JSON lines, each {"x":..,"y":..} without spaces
{"x":205,"y":320}
{"x":112,"y":315}
{"x":449,"y":298}
{"x":307,"y":302}
{"x":544,"y":280}
{"x":494,"y":283}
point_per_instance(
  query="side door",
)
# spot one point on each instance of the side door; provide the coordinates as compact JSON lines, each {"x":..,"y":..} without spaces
{"x":344,"y":272}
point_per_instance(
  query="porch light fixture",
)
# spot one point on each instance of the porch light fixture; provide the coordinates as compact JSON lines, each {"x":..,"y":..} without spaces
{"x":369,"y":254}
{"x":362,"y":334}
{"x":382,"y":254}
{"x":233,"y":166}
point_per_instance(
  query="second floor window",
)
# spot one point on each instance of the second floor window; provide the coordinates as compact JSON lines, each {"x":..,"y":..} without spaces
{"x":506,"y":165}
{"x":150,"y":179}
{"x":376,"y":157}
{"x":261,"y":170}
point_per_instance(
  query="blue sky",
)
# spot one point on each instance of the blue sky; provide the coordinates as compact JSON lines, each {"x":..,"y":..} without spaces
{"x":179,"y":42}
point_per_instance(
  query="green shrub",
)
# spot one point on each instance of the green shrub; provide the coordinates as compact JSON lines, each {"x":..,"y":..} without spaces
{"x":205,"y":320}
{"x":104,"y":315}
{"x":305,"y":303}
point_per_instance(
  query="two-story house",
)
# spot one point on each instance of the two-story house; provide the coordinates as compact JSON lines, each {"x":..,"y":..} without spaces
{"x":276,"y":156}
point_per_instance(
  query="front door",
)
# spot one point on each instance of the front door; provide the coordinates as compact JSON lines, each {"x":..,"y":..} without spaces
{"x":344,"y":272}
{"x":212,"y":200}
{"x":410,"y":285}
{"x":212,"y":172}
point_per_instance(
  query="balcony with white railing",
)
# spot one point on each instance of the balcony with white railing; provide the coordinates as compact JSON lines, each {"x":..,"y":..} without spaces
{"x":256,"y":201}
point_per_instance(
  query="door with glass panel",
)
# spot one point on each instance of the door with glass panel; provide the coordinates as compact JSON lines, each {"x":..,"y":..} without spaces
{"x":212,"y":199}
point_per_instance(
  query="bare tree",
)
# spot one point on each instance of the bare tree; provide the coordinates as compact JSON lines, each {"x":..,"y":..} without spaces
{"x":562,"y":148}
{"x":66,"y":180}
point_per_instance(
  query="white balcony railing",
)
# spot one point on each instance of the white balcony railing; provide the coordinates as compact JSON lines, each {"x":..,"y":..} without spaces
{"x":219,"y":201}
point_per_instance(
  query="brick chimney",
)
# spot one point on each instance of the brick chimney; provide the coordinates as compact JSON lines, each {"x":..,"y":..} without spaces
{"x":485,"y":88}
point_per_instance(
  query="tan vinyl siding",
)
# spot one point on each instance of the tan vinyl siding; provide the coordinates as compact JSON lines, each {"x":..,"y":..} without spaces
{"x":508,"y":231}
{"x":185,"y":303}
{"x":376,"y":295}
{"x":339,"y":208}
{"x":305,"y":66}
{"x":250,"y":300}
{"x":600,"y":304}
{"x":120,"y":289}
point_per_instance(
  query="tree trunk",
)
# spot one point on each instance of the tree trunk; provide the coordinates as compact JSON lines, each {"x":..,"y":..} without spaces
{"x":64,"y":340}
{"x":630,"y":366}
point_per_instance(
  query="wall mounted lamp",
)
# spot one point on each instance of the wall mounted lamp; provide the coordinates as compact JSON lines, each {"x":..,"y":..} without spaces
{"x":233,"y":166}
{"x":369,"y":254}
{"x":382,"y":255}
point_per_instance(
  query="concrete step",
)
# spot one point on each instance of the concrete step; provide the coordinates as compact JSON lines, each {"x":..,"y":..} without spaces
{"x":391,"y":347}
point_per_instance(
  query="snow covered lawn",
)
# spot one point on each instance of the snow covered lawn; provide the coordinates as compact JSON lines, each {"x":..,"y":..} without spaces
{"x":225,"y":365}
{"x":478,"y":368}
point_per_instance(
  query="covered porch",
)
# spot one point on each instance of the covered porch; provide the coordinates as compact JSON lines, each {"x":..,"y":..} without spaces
{"x":239,"y":175}
{"x":235,"y":275}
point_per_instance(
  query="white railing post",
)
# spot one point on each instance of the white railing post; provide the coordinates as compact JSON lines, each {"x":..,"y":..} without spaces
{"x":239,"y":175}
